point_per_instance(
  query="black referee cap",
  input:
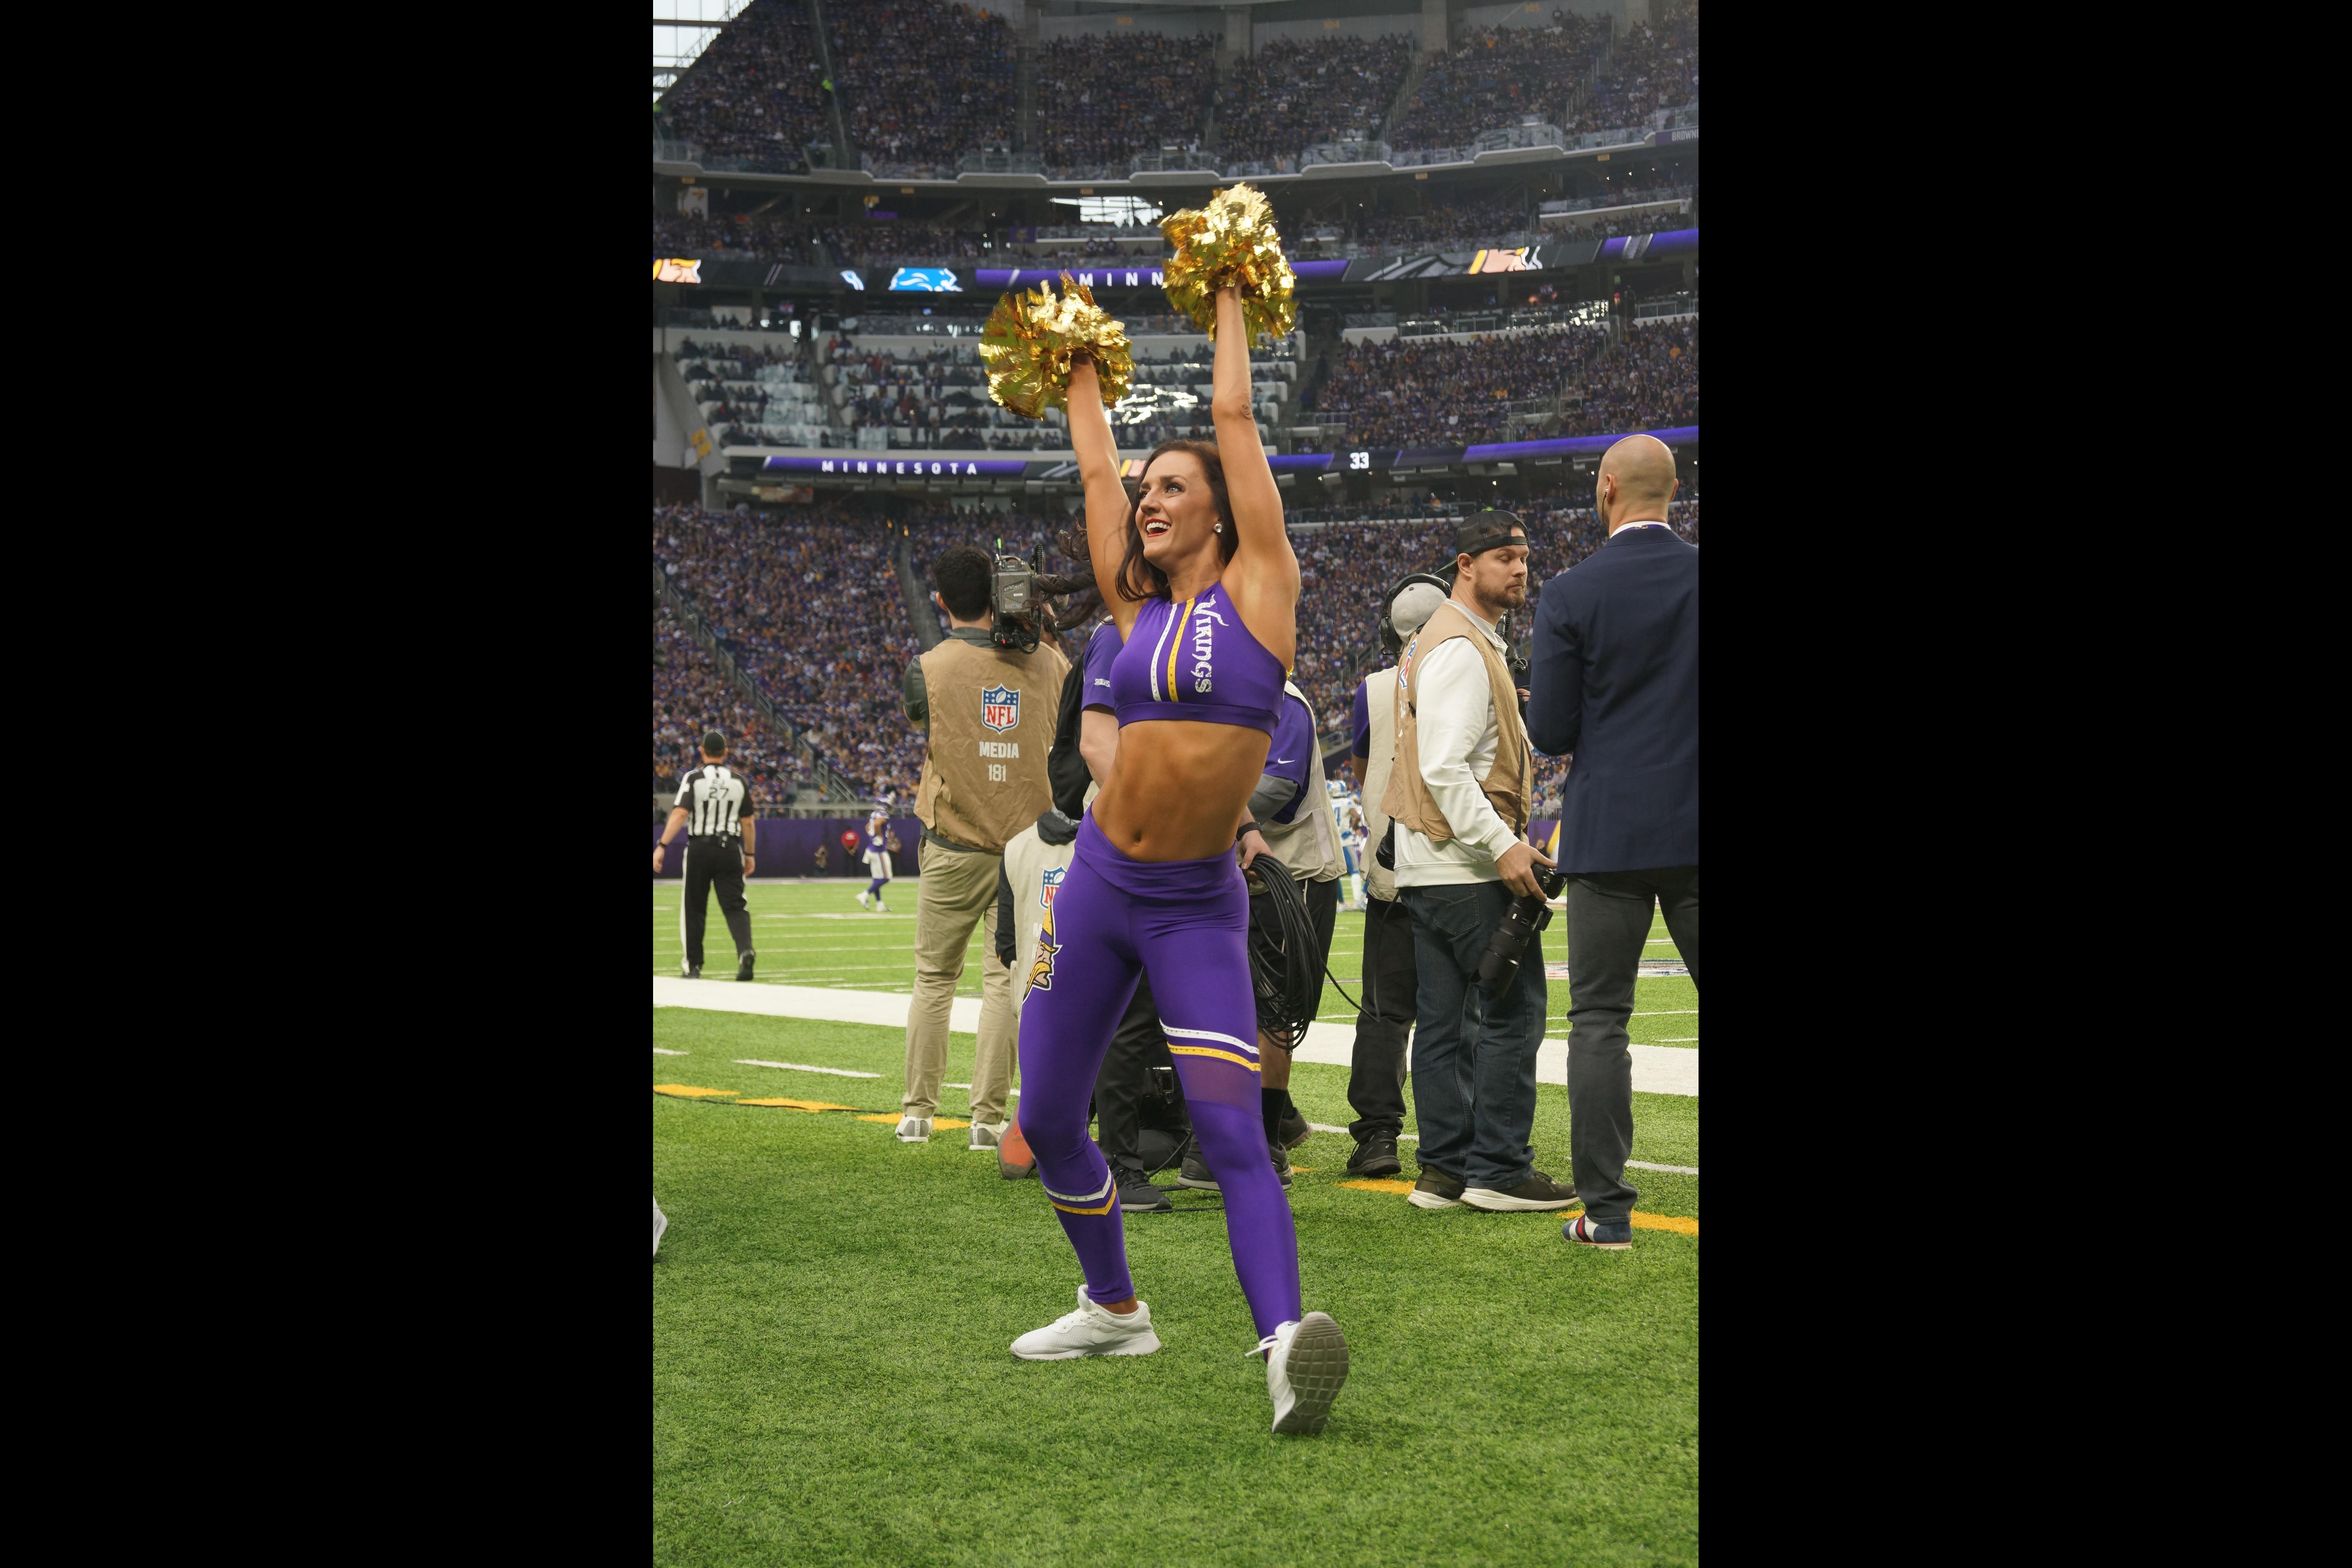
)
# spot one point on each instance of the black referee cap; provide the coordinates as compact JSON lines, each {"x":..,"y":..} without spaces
{"x":714,"y":744}
{"x":1488,"y":529}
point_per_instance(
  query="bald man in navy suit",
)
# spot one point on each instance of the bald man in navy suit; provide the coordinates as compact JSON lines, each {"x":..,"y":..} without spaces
{"x":1614,"y":680}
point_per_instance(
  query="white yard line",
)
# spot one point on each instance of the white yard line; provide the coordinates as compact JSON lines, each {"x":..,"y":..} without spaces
{"x":1657,"y":1069}
{"x":800,"y":1067}
{"x":659,"y":1052}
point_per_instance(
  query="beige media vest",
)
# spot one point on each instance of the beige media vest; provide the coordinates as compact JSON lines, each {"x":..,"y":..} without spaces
{"x":1506,"y":782}
{"x":992,"y":721}
{"x":1380,"y":745}
{"x":1309,"y":842}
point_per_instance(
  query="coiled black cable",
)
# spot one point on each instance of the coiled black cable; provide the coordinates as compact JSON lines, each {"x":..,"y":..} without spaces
{"x":1285,"y":965}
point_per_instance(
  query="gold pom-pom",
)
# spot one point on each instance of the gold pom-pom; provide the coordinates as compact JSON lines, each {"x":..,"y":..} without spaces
{"x":1231,"y":243}
{"x":1031,"y":339}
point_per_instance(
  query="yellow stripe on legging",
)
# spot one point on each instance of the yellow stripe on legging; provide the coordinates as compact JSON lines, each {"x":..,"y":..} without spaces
{"x":1109,"y":1203}
{"x":1175,"y":646}
{"x":1205,"y":1051}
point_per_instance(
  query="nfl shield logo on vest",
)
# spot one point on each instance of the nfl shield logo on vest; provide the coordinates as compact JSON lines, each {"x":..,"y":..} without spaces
{"x":1000,"y":707}
{"x":1050,"y":883}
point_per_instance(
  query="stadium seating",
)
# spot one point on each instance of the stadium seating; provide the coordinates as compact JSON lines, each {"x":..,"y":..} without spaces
{"x":922,"y":82}
{"x":937,"y":398}
{"x":1418,"y":392}
{"x":754,"y":96}
{"x":1498,"y":76}
{"x":1289,"y":95}
{"x":691,"y":698}
{"x":1650,"y":71}
{"x":1102,"y":99}
{"x":753,"y":396}
{"x":1649,"y":382}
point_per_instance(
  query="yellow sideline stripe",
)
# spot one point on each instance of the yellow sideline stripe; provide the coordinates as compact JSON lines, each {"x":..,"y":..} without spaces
{"x":1175,"y":646}
{"x":688,"y":1091}
{"x":937,"y":1121}
{"x":808,"y":1105}
{"x":1206,"y":1051}
{"x":1677,"y":1223}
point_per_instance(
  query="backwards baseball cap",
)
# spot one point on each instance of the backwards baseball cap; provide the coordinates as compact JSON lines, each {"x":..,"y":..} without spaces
{"x":1488,"y":529}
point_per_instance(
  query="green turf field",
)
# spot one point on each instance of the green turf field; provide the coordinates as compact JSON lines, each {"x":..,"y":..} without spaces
{"x":832,"y":1311}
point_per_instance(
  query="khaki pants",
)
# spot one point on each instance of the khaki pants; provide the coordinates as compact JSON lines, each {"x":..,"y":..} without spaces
{"x":958,"y":890}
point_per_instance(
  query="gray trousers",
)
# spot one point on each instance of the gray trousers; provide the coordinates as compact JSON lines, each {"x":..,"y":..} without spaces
{"x":1608,"y":922}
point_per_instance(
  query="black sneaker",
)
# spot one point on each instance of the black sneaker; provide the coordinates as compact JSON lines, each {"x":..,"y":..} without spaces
{"x":1375,"y":1156}
{"x":1194,"y":1173}
{"x":1436,"y":1190}
{"x":743,"y":965}
{"x":1537,"y":1192}
{"x":691,"y":970}
{"x":1293,"y":1129}
{"x":1137,"y":1195}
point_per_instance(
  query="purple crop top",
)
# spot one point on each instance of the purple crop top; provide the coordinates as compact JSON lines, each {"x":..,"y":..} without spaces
{"x":1194,"y":659}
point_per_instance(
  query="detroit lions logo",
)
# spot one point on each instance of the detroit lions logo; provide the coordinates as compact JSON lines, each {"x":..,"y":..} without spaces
{"x":1000,"y":707}
{"x":1041,"y":972}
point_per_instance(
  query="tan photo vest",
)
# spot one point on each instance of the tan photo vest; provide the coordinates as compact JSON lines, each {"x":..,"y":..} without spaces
{"x":1309,"y":842}
{"x":1380,"y":760}
{"x":993,"y":712}
{"x":1506,"y":782}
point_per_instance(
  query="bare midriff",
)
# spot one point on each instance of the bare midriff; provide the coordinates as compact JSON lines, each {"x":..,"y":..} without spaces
{"x":1178,"y":788}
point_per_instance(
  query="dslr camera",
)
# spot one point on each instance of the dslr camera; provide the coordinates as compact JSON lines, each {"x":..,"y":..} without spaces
{"x":1528,"y":913}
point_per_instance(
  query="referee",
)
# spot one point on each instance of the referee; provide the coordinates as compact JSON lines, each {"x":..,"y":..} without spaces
{"x":713,"y":805}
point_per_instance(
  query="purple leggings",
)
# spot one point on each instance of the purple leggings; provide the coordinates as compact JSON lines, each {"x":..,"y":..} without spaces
{"x":1185,"y":924}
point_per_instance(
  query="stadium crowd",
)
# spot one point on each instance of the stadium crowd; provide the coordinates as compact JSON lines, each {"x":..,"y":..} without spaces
{"x":1649,"y":382}
{"x":1104,"y":99}
{"x":757,"y":93}
{"x":691,"y":698}
{"x":1418,"y":391}
{"x":1651,"y":70}
{"x":1498,"y":76}
{"x":1619,"y":227}
{"x":1290,"y":95}
{"x":1471,"y":224}
{"x":922,"y":82}
{"x":811,"y":606}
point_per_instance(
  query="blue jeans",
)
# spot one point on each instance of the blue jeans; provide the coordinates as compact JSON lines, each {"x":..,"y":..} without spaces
{"x":1474,"y":1054}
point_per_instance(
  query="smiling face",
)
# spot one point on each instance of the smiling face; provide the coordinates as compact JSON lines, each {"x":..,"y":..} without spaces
{"x":1177,"y":511}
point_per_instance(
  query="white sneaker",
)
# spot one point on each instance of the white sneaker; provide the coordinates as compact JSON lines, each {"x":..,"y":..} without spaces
{"x":861,"y":900}
{"x":914,"y":1129}
{"x":1306,"y":1363}
{"x":1092,"y":1330}
{"x":880,"y":908}
{"x":987,"y":1134}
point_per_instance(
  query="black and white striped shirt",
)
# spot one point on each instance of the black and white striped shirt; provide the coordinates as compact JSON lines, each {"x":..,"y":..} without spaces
{"x":716,"y":798}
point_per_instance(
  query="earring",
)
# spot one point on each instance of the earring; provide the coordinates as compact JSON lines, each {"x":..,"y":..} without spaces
{"x":1220,"y":528}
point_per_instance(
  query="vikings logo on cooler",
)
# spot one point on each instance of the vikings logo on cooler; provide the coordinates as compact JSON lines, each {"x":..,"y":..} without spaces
{"x":1000,"y":707}
{"x":1041,"y":970}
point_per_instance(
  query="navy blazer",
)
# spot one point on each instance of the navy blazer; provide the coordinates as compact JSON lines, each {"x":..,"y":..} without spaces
{"x":1614,"y":679}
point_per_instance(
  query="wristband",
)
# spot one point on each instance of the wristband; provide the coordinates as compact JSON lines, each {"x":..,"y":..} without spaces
{"x":1245,"y":830}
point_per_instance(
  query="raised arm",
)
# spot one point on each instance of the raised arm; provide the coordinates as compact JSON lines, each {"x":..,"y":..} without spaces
{"x":1107,"y":503}
{"x":1264,"y":576}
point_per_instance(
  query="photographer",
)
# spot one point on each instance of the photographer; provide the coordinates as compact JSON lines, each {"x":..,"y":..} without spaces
{"x":1459,"y":794}
{"x":984,"y":779}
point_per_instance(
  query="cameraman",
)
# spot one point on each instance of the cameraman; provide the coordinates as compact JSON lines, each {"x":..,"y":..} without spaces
{"x":1459,"y":794}
{"x":984,"y":780}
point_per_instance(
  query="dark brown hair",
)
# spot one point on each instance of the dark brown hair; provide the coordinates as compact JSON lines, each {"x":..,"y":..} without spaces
{"x":1078,"y":582}
{"x":1139,"y":579}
